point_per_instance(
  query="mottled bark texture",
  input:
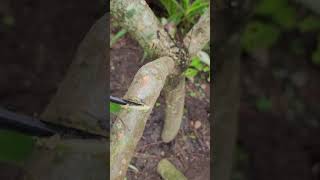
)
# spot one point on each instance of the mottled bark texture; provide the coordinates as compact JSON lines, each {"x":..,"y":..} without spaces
{"x":195,"y":40}
{"x":130,"y":122}
{"x":80,"y":99}
{"x":174,"y":96}
{"x":199,"y":35}
{"x":168,"y":171}
{"x":80,"y":103}
{"x":137,"y":17}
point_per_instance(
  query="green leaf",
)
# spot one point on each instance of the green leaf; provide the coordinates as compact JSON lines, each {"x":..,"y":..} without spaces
{"x":310,"y":23}
{"x":185,"y":4}
{"x":8,"y":20}
{"x":190,"y":72}
{"x":15,"y":147}
{"x":263,"y":104}
{"x":206,"y":69}
{"x":118,"y":36}
{"x":280,"y":11}
{"x":172,"y":6}
{"x":259,"y":35}
{"x":196,"y":9}
{"x":114,"y":108}
{"x":196,"y":63}
{"x":268,"y":7}
{"x":316,"y":56}
{"x":286,"y":17}
{"x":176,"y":18}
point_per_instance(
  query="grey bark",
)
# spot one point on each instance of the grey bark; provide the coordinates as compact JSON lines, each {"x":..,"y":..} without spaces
{"x":195,"y":40}
{"x":137,"y":17}
{"x":130,"y":122}
{"x":174,"y":93}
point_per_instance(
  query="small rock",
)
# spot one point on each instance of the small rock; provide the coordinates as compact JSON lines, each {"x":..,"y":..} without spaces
{"x":203,"y":86}
{"x":162,"y":153}
{"x":197,"y":124}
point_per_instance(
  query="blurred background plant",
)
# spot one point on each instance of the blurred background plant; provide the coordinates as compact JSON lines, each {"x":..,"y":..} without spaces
{"x":273,"y":18}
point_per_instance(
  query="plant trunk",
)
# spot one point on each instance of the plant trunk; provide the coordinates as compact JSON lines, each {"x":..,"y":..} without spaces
{"x":195,"y":40}
{"x":138,"y":19}
{"x":174,"y":96}
{"x":130,"y":122}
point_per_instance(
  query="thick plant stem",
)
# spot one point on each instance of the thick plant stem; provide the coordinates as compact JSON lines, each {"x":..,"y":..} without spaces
{"x":174,"y":95}
{"x":199,"y":35}
{"x":137,"y":17}
{"x":80,"y":99}
{"x":129,"y":125}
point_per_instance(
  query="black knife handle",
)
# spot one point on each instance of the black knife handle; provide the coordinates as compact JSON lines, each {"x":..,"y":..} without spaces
{"x":24,"y":124}
{"x":118,"y":100}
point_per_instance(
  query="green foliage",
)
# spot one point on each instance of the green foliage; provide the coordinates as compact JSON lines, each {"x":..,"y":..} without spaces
{"x":195,"y":67}
{"x":280,"y":11}
{"x":190,"y":73}
{"x":8,"y":20}
{"x":264,"y":104}
{"x":309,"y":23}
{"x":316,"y":56}
{"x":118,"y":36}
{"x":15,"y":147}
{"x":114,"y":108}
{"x":185,"y":11}
{"x":259,"y":35}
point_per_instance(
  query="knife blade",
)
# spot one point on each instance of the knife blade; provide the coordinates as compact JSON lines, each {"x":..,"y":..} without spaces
{"x":122,"y":101}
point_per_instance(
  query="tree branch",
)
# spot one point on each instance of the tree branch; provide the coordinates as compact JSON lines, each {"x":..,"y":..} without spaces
{"x":199,"y":35}
{"x":174,"y":95}
{"x":137,"y":17}
{"x":129,"y":125}
{"x":80,"y":99}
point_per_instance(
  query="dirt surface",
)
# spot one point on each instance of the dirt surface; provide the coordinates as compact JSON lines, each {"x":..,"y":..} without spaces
{"x":189,"y":152}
